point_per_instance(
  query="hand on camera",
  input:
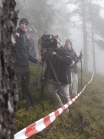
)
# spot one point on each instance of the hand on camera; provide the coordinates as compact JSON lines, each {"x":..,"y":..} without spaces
{"x":54,"y":53}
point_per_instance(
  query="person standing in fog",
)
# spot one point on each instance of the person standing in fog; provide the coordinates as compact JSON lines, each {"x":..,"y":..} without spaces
{"x":74,"y":70}
{"x":60,"y":61}
{"x":22,"y":60}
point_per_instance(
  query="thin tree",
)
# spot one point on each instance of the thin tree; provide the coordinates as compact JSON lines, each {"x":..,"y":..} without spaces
{"x":84,"y":36}
{"x":87,"y":11}
{"x":8,"y":21}
{"x":92,"y":36}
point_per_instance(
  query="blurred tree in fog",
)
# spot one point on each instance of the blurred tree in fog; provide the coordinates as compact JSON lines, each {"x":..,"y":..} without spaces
{"x":40,"y":13}
{"x":87,"y":12}
{"x":61,"y":20}
{"x":99,"y":25}
{"x":8,"y":21}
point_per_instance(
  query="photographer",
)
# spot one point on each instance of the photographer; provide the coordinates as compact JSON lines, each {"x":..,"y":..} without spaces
{"x":58,"y":67}
{"x":74,"y":70}
{"x":22,"y":60}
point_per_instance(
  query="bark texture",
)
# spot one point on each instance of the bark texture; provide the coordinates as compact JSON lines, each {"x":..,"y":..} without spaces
{"x":8,"y":88}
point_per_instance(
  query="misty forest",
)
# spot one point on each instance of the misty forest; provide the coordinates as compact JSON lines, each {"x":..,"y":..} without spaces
{"x":82,"y":22}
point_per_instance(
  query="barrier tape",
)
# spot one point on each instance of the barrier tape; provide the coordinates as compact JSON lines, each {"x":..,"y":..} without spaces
{"x":47,"y":120}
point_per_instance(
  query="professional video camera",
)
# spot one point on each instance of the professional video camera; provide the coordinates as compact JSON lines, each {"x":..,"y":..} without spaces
{"x":47,"y":42}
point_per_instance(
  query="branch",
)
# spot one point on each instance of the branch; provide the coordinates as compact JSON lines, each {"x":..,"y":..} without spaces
{"x":80,"y":125}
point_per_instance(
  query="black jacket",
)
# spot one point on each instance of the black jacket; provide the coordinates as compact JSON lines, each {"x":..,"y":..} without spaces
{"x":61,"y":65}
{"x":74,"y":59}
{"x":22,"y":49}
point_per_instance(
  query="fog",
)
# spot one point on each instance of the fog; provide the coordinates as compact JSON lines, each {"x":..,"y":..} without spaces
{"x":99,"y":54}
{"x":56,"y":17}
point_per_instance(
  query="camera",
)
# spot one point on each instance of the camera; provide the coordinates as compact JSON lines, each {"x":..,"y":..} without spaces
{"x":49,"y":41}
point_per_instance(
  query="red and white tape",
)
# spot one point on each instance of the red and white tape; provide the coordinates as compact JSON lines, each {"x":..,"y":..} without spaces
{"x":47,"y":120}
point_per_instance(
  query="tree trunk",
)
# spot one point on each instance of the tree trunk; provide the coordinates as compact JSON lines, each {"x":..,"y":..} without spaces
{"x":85,"y":52}
{"x":8,"y":22}
{"x":92,"y":34}
{"x":93,"y":46}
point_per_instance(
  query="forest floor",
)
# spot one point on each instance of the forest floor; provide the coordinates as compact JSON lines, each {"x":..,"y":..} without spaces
{"x":86,"y":121}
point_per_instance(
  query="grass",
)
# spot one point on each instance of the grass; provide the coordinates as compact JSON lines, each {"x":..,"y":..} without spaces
{"x":89,"y":106}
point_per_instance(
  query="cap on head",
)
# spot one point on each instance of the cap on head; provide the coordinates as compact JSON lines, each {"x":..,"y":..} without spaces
{"x":24,"y":20}
{"x":68,"y":40}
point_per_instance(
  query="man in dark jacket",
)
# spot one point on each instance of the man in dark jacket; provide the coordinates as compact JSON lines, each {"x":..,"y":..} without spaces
{"x":60,"y":61}
{"x":22,"y":59}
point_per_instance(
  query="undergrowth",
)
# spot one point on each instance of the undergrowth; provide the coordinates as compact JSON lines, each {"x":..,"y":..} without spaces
{"x":86,"y":121}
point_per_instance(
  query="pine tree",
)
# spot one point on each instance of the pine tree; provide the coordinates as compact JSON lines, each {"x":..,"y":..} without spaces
{"x":61,"y":20}
{"x":87,"y":12}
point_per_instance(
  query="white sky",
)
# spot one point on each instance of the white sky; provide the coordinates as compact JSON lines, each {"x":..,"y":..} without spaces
{"x":101,"y":4}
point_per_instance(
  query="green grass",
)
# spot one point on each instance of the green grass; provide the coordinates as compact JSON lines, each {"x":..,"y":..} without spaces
{"x":90,"y":105}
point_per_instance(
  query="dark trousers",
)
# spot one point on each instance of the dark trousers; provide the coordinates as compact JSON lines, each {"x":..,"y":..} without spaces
{"x":23,"y":75}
